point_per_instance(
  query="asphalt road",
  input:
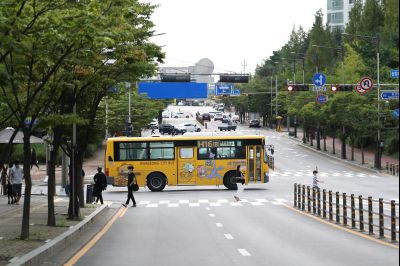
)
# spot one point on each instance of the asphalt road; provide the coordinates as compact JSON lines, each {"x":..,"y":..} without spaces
{"x":205,"y":226}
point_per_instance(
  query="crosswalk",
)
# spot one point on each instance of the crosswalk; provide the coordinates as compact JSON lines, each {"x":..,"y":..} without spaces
{"x":308,"y":173}
{"x":206,"y":203}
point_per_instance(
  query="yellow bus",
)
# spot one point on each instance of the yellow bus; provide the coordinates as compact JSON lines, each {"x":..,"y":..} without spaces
{"x":186,"y":160}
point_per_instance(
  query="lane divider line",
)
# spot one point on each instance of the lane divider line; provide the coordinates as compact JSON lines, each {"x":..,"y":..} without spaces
{"x":343,"y":228}
{"x":244,"y":252}
{"x":94,"y":240}
{"x":228,"y":236}
{"x":123,"y":212}
{"x":219,"y":225}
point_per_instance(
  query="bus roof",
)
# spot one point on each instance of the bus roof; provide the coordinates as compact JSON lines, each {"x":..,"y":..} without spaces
{"x":176,"y":138}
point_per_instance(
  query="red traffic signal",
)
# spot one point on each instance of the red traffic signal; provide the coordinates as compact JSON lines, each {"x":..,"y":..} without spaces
{"x":334,"y":88}
{"x":297,"y":87}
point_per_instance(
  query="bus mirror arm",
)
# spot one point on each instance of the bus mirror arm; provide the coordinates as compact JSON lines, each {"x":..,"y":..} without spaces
{"x":110,"y":159}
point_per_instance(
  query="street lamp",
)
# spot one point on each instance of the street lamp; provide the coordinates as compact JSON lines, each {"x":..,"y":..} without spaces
{"x":303,"y":63}
{"x":377,"y":40}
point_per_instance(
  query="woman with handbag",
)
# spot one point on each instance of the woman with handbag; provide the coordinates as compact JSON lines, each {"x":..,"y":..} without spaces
{"x":240,"y":183}
{"x":132,"y":185}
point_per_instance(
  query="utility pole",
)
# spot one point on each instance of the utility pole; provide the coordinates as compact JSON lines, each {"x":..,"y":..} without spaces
{"x":244,"y":65}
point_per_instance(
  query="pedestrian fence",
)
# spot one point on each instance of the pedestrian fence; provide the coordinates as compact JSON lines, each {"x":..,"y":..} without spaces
{"x":365,"y":214}
{"x":392,"y":169}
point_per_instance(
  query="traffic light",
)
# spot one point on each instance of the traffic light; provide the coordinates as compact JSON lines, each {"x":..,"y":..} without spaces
{"x":185,"y":77}
{"x":342,"y":88}
{"x":234,"y":78}
{"x":298,"y":87}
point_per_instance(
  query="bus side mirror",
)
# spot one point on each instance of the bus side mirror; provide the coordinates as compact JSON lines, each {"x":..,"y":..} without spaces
{"x":110,"y":159}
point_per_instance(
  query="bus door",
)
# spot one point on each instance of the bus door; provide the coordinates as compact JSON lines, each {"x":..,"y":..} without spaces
{"x":186,"y":171}
{"x":254,"y":163}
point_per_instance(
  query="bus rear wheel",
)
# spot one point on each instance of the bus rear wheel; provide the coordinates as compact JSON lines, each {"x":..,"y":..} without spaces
{"x":230,"y":180}
{"x":156,"y":182}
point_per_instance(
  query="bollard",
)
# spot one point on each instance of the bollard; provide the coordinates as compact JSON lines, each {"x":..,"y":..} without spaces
{"x":319,"y":201}
{"x":337,"y":208}
{"x":324,"y":203}
{"x":361,"y":212}
{"x":299,"y":196}
{"x":330,"y":206}
{"x":303,"y":195}
{"x":381,"y":220}
{"x":308,"y":199}
{"x":353,"y":212}
{"x":387,"y":167}
{"x":295,"y":195}
{"x":370,"y":217}
{"x":314,"y":203}
{"x":393,"y":219}
{"x":397,"y":170}
{"x":344,"y":209}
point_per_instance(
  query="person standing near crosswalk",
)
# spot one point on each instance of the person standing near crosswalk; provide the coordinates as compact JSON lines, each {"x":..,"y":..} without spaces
{"x":131,"y":182}
{"x":240,"y":180}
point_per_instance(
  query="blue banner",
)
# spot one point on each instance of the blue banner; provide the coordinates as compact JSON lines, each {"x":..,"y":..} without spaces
{"x":223,"y":89}
{"x":173,"y":90}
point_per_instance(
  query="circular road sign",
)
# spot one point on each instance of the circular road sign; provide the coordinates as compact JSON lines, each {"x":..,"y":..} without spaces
{"x":322,"y":99}
{"x":360,"y":90}
{"x":367,"y":83}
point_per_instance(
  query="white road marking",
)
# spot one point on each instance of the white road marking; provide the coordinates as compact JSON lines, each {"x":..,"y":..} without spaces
{"x":208,"y":209}
{"x":244,"y":252}
{"x":183,"y":202}
{"x":194,"y":204}
{"x":215,"y":204}
{"x":262,"y":200}
{"x":151,"y":205}
{"x":164,"y":201}
{"x":219,"y":225}
{"x":203,"y":201}
{"x":212,"y":215}
{"x":236,"y":204}
{"x":173,"y":205}
{"x":257,"y":204}
{"x":223,"y":201}
{"x":281,"y":200}
{"x":278,"y":203}
{"x":228,"y":236}
{"x":144,"y":202}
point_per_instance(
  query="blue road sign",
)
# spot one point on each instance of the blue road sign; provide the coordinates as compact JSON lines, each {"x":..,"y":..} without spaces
{"x":223,"y":89}
{"x":396,"y":114}
{"x":319,"y":79}
{"x":394,"y":73}
{"x":389,"y":95}
{"x":321,"y":99}
{"x":236,"y":92}
{"x":174,"y":90}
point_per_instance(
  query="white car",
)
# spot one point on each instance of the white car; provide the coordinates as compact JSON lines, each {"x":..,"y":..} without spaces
{"x":165,"y":115}
{"x":184,"y":128}
{"x":218,"y":116}
{"x":235,"y":118}
{"x":180,"y":115}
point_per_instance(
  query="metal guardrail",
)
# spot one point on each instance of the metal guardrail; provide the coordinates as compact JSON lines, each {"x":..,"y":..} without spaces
{"x":392,"y":169}
{"x":335,"y":207}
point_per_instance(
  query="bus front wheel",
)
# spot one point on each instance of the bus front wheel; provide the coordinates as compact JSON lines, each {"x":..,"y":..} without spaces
{"x":230,"y":180}
{"x":156,"y":182}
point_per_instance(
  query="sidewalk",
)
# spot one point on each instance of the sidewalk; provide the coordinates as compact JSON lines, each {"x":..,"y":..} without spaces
{"x":369,"y":154}
{"x":11,"y":215}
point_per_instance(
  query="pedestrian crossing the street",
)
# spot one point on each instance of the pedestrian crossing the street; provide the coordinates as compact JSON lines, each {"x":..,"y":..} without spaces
{"x":210,"y":203}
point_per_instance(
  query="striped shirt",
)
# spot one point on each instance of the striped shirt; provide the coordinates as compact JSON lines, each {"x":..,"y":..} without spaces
{"x":315,"y":181}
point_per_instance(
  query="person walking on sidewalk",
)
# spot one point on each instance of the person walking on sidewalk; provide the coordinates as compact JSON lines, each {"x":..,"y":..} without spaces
{"x":17,"y":175}
{"x":240,"y":183}
{"x":34,"y":161}
{"x":100,"y":184}
{"x":131,"y":182}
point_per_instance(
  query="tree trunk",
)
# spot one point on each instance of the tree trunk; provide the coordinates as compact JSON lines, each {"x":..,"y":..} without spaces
{"x":352,"y":150}
{"x":318,"y":138}
{"x":324,"y":141}
{"x":344,"y":153}
{"x":304,"y":134}
{"x":362,"y":153}
{"x":334,"y":144}
{"x":73,"y":208}
{"x":28,"y":186}
{"x":51,"y":217}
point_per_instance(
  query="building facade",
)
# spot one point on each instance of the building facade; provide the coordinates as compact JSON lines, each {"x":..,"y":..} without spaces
{"x":338,"y":13}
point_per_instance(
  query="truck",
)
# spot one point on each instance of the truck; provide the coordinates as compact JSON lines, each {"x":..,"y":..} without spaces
{"x":227,"y":127}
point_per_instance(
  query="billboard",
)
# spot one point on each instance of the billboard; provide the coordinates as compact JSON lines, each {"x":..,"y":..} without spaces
{"x":174,"y":90}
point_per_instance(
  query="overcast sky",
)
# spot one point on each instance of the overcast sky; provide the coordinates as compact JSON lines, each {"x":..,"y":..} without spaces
{"x":228,"y":31}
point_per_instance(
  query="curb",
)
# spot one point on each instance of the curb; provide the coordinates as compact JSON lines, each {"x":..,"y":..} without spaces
{"x":334,"y":157}
{"x":52,"y":247}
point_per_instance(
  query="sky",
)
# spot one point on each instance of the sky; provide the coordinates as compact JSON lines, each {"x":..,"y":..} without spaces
{"x":228,"y":32}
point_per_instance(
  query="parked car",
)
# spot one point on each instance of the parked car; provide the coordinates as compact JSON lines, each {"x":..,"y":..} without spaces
{"x":183,"y":128}
{"x":206,"y":117}
{"x":153,"y":124}
{"x":180,"y":115}
{"x":166,"y":129}
{"x":254,"y":123}
{"x":235,"y":118}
